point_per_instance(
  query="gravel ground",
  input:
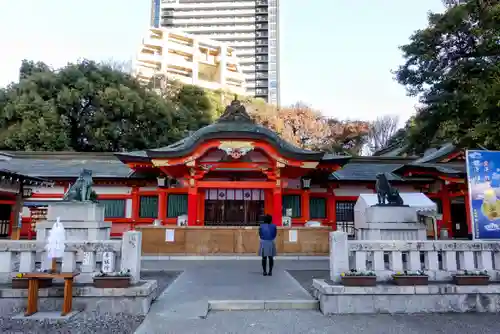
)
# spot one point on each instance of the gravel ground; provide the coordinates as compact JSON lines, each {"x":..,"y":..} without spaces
{"x":312,"y":322}
{"x":88,"y":322}
{"x":305,"y":277}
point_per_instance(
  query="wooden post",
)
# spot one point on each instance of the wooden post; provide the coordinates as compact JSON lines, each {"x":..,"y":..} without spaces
{"x":32,"y":297}
{"x":53,"y":266}
{"x":68,"y":296}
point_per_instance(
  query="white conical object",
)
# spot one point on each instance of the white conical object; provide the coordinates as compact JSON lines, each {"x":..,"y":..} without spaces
{"x":56,"y":242}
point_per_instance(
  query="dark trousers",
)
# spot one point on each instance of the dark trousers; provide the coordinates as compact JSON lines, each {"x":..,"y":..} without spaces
{"x":264,"y":264}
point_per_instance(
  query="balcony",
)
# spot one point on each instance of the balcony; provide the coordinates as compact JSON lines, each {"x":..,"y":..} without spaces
{"x":264,"y":3}
{"x":261,"y":83}
{"x":261,"y":10}
{"x":218,"y":28}
{"x":260,"y":92}
{"x":211,"y":20}
{"x":261,"y":51}
{"x":211,"y":13}
{"x":262,"y":42}
{"x":214,"y":5}
{"x":261,"y":59}
{"x":149,"y":58}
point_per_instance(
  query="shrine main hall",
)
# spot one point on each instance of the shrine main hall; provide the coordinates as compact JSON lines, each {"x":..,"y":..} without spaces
{"x":230,"y":173}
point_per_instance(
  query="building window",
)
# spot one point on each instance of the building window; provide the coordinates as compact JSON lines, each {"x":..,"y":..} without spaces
{"x":148,"y":207}
{"x":114,"y":208}
{"x":292,"y":202}
{"x":345,"y":216}
{"x":317,"y":207}
{"x":177,"y":205}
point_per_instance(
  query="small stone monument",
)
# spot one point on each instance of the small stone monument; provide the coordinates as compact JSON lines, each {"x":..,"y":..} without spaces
{"x":82,"y":216}
{"x":387,"y":216}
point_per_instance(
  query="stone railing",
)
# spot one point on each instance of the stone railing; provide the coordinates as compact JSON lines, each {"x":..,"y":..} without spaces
{"x":86,"y":257}
{"x":439,"y":259}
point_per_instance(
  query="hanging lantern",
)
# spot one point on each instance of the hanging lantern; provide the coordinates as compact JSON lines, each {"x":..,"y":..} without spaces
{"x":161,"y":181}
{"x":306,"y":183}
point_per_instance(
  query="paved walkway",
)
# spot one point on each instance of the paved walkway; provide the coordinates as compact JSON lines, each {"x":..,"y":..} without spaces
{"x":215,"y":280}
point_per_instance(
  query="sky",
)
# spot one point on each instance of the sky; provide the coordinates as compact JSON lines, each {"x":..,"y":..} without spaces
{"x":336,"y":55}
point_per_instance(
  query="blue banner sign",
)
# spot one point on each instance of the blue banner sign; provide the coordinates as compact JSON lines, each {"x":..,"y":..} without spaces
{"x":483,"y":176}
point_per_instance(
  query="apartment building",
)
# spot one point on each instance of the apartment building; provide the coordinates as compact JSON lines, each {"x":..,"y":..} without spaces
{"x":249,"y":26}
{"x":190,"y":59}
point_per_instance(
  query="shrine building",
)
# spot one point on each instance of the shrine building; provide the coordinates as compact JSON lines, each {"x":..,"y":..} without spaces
{"x":230,"y":173}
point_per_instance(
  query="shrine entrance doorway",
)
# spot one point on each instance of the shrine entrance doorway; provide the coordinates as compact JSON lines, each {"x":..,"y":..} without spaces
{"x":234,"y":207}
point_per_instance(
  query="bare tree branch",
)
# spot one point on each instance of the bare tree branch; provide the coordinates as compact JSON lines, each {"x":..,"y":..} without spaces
{"x":381,"y":131}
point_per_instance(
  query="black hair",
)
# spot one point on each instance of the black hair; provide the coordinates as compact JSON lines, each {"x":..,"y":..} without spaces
{"x":267,"y":219}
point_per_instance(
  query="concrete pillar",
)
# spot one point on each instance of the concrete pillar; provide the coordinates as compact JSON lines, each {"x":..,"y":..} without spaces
{"x":339,"y":255}
{"x":222,"y":65}
{"x":131,"y":254}
{"x":196,"y":51}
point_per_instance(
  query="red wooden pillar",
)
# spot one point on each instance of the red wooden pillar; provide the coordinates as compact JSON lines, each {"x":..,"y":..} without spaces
{"x":162,"y":205}
{"x":445,"y":202}
{"x":192,"y":205}
{"x":277,"y":207}
{"x":306,"y":212}
{"x":201,"y":207}
{"x":468,"y":213}
{"x":135,"y":203}
{"x":331,"y":210}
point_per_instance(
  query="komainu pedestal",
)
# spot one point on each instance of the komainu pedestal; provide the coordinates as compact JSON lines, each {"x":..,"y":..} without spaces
{"x":81,"y":220}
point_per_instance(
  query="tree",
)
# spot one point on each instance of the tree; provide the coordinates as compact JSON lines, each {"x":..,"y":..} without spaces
{"x":307,"y":128}
{"x":381,"y":131}
{"x":86,"y":106}
{"x":454,"y":66}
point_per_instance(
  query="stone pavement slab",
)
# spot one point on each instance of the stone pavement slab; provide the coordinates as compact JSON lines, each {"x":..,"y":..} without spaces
{"x":204,"y":281}
{"x":50,"y":315}
{"x":312,"y":322}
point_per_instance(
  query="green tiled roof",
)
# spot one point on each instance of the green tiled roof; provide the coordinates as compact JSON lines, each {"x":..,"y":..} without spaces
{"x":365,"y":172}
{"x":57,"y":168}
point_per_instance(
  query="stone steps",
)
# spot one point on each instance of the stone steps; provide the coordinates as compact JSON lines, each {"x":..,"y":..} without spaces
{"x":252,"y":305}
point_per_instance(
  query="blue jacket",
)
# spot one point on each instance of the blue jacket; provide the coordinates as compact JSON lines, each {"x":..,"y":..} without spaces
{"x":267,"y":231}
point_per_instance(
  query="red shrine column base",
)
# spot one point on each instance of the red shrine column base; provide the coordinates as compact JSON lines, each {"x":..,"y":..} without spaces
{"x":192,"y":206}
{"x":468,"y":213}
{"x":446,"y":205}
{"x":305,"y":206}
{"x":277,"y":207}
{"x":162,"y":206}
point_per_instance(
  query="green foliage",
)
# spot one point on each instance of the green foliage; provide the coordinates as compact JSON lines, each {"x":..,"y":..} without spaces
{"x":88,"y":106}
{"x":454,"y":66}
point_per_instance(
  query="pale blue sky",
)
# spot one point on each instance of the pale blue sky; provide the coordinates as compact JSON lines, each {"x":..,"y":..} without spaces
{"x":335,"y":54}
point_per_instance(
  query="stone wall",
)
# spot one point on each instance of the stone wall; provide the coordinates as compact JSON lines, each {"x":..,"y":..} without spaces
{"x":86,"y":257}
{"x":439,"y":259}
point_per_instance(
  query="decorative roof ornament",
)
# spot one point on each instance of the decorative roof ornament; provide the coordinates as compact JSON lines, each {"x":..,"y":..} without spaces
{"x":235,"y":112}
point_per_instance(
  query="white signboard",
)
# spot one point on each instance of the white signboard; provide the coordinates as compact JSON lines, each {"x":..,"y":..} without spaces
{"x":108,"y":262}
{"x":292,"y":236}
{"x":169,"y":235}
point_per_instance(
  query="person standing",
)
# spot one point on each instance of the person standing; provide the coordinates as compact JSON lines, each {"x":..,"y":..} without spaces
{"x":267,"y":249}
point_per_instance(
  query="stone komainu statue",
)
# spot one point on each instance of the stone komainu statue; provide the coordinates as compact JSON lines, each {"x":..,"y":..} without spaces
{"x":386,"y":192}
{"x":81,"y":190}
